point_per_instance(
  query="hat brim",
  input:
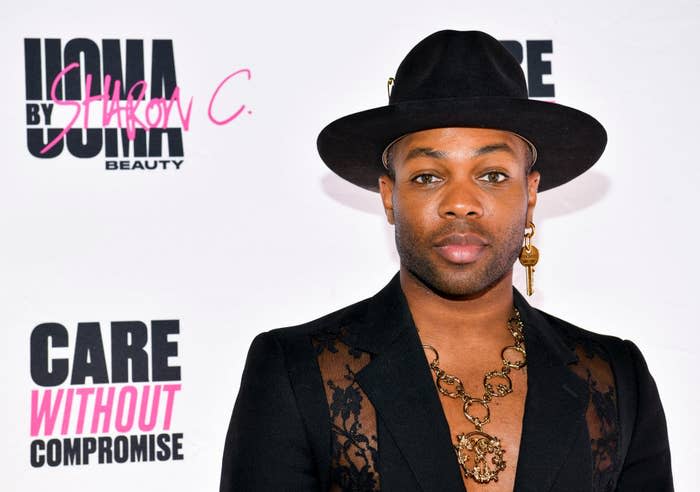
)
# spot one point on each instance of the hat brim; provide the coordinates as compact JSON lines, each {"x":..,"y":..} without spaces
{"x":568,"y":141}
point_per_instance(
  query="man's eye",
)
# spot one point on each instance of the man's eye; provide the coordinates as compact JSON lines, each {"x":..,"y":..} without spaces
{"x":493,"y":177}
{"x":426,"y":179}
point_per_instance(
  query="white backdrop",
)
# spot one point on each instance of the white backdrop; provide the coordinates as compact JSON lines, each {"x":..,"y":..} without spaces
{"x":253,"y":232}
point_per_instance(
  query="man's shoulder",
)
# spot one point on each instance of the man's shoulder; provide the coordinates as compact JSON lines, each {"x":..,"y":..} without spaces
{"x":571,"y":330}
{"x":611,"y":347}
{"x":332,"y":322}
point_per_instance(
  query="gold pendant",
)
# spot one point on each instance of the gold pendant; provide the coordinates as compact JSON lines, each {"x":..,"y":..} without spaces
{"x":475,"y":451}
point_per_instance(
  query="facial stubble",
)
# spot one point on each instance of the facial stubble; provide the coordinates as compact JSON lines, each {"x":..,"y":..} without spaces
{"x":457,"y":281}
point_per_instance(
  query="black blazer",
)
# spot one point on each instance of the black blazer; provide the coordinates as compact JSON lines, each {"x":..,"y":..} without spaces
{"x":348,"y":402}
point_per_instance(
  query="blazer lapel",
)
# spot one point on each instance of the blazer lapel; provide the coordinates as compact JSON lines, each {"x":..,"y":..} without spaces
{"x":554,"y":407}
{"x":399,"y":383}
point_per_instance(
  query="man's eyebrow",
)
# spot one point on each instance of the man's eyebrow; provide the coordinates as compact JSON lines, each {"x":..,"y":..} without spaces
{"x":425,"y":151}
{"x":487,"y":149}
{"x":439,"y":154}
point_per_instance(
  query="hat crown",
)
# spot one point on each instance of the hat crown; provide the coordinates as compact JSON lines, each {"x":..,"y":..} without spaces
{"x":458,"y":64}
{"x":462,"y":79}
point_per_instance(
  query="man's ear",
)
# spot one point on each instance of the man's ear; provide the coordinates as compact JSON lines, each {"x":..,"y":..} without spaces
{"x":386,"y":189}
{"x":533,"y":183}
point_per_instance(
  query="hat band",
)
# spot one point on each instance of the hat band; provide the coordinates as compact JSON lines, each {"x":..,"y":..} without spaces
{"x":533,"y":149}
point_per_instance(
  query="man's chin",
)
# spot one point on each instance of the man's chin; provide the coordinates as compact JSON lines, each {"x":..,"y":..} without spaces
{"x":457,"y":285}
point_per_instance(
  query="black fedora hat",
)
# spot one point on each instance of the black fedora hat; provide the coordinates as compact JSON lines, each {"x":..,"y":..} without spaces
{"x":462,"y":79}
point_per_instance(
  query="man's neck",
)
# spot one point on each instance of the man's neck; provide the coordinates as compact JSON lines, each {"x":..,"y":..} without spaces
{"x":443,"y":318}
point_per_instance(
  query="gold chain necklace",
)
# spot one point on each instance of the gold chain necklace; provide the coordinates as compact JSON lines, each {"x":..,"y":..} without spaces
{"x":474,"y":448}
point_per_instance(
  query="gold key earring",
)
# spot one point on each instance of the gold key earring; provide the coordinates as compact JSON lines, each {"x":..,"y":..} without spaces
{"x":529,"y":256}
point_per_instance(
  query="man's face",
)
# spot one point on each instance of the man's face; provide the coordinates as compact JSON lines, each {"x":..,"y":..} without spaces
{"x":460,"y":201}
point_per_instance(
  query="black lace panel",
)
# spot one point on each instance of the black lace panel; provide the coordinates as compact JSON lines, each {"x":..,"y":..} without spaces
{"x":601,"y":415}
{"x":352,"y":415}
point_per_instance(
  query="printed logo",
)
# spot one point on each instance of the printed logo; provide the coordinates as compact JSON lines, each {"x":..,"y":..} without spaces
{"x":88,"y":98}
{"x":537,"y":67}
{"x":89,"y":408}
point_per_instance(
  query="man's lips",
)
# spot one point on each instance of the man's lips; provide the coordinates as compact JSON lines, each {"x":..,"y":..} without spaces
{"x":460,"y":248}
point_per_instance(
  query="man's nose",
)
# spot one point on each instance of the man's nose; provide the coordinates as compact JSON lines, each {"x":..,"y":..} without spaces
{"x":461,"y":200}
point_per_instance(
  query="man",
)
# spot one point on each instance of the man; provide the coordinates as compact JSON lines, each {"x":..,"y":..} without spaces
{"x":447,"y":380}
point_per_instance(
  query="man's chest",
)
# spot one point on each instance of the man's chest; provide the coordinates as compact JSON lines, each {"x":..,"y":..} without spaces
{"x":504,"y":421}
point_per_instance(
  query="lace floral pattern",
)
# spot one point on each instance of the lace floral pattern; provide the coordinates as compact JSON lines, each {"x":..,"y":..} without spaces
{"x":353,"y":420}
{"x":601,"y":415}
